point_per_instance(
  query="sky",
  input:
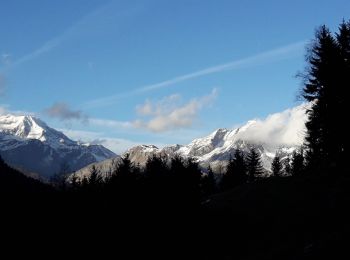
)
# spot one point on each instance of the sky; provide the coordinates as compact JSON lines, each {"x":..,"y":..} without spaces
{"x":123,"y":73}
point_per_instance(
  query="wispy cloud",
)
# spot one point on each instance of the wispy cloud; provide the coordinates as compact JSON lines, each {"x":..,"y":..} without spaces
{"x":109,"y":123}
{"x":63,"y":112}
{"x":5,"y":110}
{"x":277,"y":54}
{"x":169,"y":114}
{"x":161,"y":116}
{"x":69,"y":32}
{"x":117,"y":145}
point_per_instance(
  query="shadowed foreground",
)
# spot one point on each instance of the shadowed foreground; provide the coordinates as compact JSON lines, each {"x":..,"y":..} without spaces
{"x":282,"y":218}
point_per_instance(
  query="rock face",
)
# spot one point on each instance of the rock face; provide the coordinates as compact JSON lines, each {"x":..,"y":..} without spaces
{"x":28,"y":144}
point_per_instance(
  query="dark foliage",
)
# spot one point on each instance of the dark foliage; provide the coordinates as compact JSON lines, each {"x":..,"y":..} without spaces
{"x":326,"y":81}
{"x":15,"y":182}
{"x":254,"y":165}
{"x":122,"y":178}
{"x":208,"y":183}
{"x":236,"y":172}
{"x":287,"y":167}
{"x":277,"y":166}
{"x":297,"y":163}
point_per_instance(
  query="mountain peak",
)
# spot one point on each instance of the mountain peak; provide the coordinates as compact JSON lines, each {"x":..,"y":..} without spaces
{"x":218,"y":133}
{"x":28,"y":143}
{"x":23,"y":126}
{"x":247,"y":125}
{"x":30,"y":127}
{"x":145,"y":148}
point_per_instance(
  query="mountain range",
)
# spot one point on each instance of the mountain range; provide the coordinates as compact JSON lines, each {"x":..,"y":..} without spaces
{"x":281,"y":132}
{"x":30,"y":145}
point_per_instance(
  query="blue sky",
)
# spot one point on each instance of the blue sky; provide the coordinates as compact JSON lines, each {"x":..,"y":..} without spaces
{"x":156,"y":71}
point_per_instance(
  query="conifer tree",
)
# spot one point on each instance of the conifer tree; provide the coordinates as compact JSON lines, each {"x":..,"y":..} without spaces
{"x":236,"y":171}
{"x":156,"y":168}
{"x":192,"y":180}
{"x":326,"y":81}
{"x":227,"y":180}
{"x":240,"y":167}
{"x":276,"y":166}
{"x":95,"y":180}
{"x":254,"y":165}
{"x":287,"y":167}
{"x":74,"y":183}
{"x":122,"y":177}
{"x":343,"y":38}
{"x":209,"y":183}
{"x":297,"y":164}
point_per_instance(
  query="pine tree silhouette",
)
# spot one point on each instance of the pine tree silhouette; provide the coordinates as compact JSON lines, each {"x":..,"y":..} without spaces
{"x":297,"y":164}
{"x":240,"y":167}
{"x":254,"y":165}
{"x":208,"y":183}
{"x":122,"y":178}
{"x":277,"y":166}
{"x":95,"y":180}
{"x":74,"y":183}
{"x":343,"y":38}
{"x":287,"y":167}
{"x":326,"y":81}
{"x":191,"y":182}
{"x":236,"y":171}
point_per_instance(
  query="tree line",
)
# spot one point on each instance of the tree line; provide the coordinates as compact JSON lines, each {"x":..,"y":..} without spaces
{"x":180,"y":179}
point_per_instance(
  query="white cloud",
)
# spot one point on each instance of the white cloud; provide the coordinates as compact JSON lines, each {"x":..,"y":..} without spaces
{"x":284,"y":128}
{"x":145,"y":109}
{"x":169,"y":114}
{"x":165,"y":105}
{"x":277,"y":54}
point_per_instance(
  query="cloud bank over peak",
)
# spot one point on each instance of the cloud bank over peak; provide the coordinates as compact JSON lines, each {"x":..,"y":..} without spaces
{"x":284,"y":128}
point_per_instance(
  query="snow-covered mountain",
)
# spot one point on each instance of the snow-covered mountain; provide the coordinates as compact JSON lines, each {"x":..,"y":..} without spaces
{"x":282,"y":132}
{"x":29,"y":144}
{"x":214,"y":150}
